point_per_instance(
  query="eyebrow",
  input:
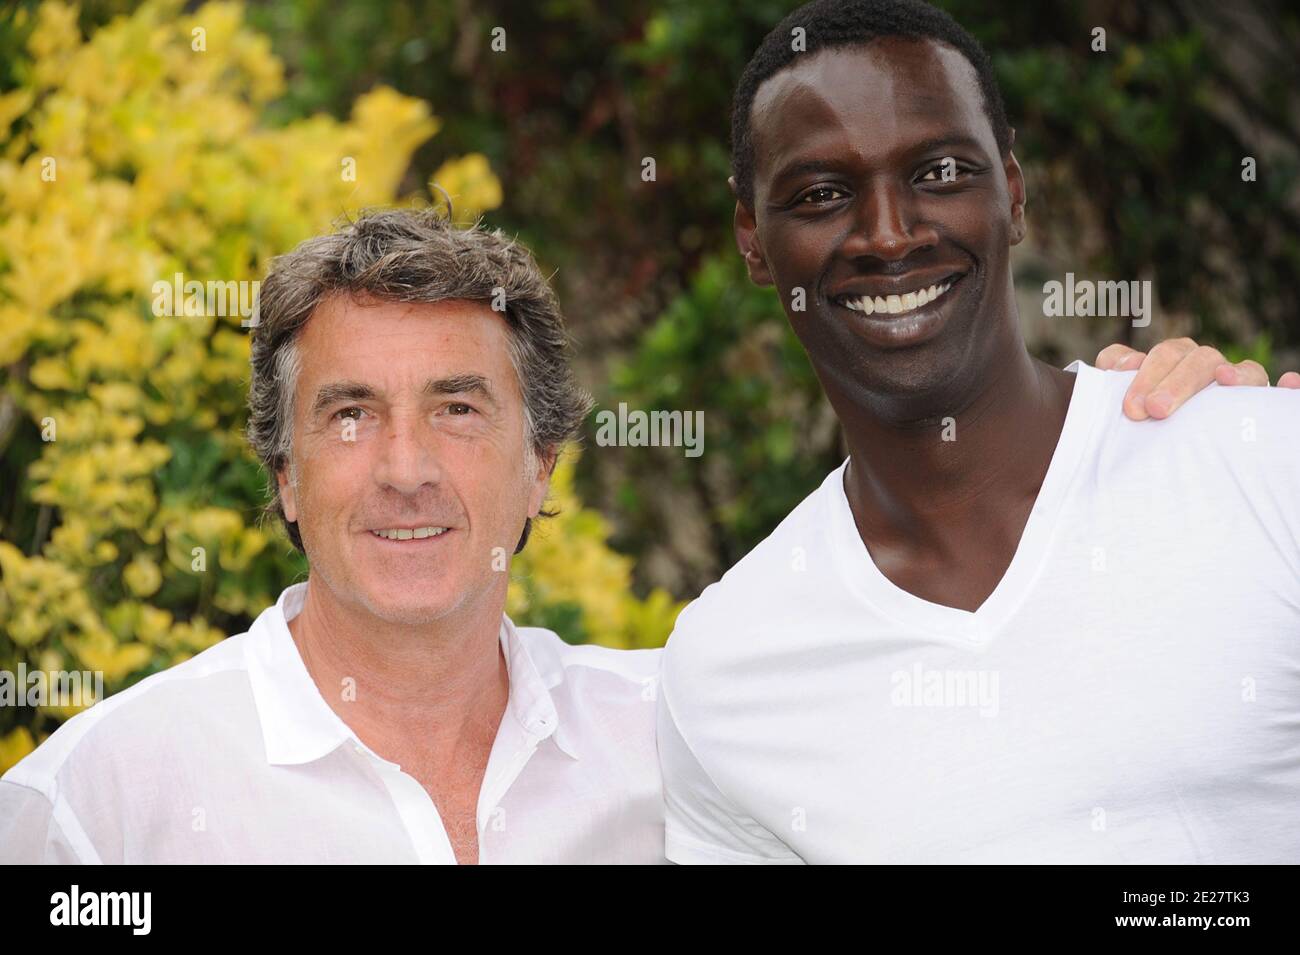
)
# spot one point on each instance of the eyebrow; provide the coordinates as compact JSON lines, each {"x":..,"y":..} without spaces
{"x":803,"y":167}
{"x":807,"y":166}
{"x":944,"y":142}
{"x":334,"y":392}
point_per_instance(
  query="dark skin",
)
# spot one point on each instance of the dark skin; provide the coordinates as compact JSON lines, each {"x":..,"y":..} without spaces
{"x":850,"y":200}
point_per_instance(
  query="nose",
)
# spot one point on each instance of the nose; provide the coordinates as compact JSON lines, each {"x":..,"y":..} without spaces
{"x":886,"y":225}
{"x":407,"y":457}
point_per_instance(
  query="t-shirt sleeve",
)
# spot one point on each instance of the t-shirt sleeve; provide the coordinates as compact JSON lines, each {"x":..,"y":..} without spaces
{"x":702,"y":826}
{"x":30,"y":833}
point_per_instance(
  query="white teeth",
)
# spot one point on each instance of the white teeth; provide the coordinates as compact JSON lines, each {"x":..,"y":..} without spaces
{"x":407,"y":533}
{"x":897,"y":304}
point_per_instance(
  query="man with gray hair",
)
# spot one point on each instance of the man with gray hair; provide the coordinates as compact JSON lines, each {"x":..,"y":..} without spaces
{"x":410,"y":393}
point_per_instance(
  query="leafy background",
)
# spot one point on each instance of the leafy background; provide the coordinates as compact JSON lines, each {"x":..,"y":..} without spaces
{"x":208,"y":163}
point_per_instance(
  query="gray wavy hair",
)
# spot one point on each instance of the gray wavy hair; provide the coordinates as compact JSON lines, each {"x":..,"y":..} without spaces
{"x":409,"y":256}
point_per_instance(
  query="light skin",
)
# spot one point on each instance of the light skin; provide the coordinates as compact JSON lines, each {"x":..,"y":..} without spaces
{"x":848,"y":201}
{"x":406,"y":416}
{"x":1175,"y":370}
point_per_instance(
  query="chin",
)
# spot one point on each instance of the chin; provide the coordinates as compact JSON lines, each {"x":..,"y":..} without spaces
{"x":897,"y":374}
{"x":410,"y":604}
{"x":920,"y":386}
{"x":409,"y":614}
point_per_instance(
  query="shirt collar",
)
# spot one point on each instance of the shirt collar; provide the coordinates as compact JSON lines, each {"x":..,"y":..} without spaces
{"x":534,"y":672}
{"x":298,"y":726}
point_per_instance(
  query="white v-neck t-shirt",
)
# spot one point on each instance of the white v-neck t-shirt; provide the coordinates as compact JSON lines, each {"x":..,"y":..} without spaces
{"x":1130,"y":691}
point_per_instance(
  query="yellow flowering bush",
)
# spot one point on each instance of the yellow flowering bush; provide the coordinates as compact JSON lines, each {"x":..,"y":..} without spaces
{"x":132,"y":536}
{"x":569,"y":580}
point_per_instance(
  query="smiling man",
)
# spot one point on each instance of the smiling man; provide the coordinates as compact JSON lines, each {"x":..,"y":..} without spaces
{"x":1014,"y":626}
{"x":385,"y":710}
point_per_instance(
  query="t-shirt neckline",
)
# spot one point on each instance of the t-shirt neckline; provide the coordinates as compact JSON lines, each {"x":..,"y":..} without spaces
{"x":978,"y":626}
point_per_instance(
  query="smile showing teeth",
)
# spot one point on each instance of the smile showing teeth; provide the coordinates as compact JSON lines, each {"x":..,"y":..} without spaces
{"x":407,"y":533}
{"x":896,"y":304}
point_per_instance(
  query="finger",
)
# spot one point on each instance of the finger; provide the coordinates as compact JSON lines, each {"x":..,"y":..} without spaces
{"x":1118,"y":357}
{"x":1157,"y":366}
{"x":1195,"y":372}
{"x":1243,"y":373}
{"x":1290,"y":380}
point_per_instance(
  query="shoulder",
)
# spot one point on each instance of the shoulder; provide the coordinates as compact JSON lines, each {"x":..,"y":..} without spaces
{"x":1246,"y":437}
{"x":569,"y":659}
{"x":130,"y":728}
{"x":1268,"y":417}
{"x":604,"y":699}
{"x":1220,"y":476}
{"x":559,"y":660}
{"x":788,"y":572}
{"x":603,"y":684}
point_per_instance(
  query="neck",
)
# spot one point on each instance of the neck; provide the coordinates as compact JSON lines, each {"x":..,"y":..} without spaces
{"x":429,"y":693}
{"x":926,"y":479}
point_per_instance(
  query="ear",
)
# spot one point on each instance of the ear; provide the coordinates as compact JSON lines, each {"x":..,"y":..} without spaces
{"x":1016,"y":192}
{"x":541,"y":482}
{"x":287,"y":499}
{"x":745,"y":226}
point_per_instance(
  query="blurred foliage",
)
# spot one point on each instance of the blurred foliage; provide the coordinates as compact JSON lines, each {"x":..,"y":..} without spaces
{"x":569,"y":581}
{"x":768,"y":429}
{"x":1138,"y":150}
{"x":126,"y":157}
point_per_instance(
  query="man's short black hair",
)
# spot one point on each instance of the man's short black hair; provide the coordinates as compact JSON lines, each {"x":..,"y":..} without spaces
{"x":829,"y":24}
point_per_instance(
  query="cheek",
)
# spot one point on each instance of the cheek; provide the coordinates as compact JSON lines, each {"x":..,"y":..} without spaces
{"x":476,"y":464}
{"x":796,"y":260}
{"x":486,"y":475}
{"x":782,"y":270}
{"x":331,"y":479}
{"x":984,"y":222}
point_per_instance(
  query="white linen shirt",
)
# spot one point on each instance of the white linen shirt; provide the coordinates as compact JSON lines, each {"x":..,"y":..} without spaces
{"x":235,"y":757}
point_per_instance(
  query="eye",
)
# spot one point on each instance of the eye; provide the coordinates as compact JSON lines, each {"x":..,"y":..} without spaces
{"x":345,"y":411}
{"x":459,"y":409}
{"x":820,"y":194}
{"x":935,"y":173}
